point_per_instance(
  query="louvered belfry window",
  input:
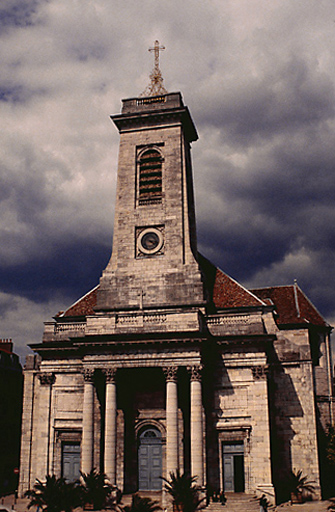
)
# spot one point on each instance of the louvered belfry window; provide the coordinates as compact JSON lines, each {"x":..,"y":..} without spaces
{"x":150,"y":176}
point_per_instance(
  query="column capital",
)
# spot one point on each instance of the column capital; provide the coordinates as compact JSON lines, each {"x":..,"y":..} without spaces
{"x":195,"y":372}
{"x":260,"y":372}
{"x":47,"y":378}
{"x":109,"y":374}
{"x":170,"y":373}
{"x":88,"y":374}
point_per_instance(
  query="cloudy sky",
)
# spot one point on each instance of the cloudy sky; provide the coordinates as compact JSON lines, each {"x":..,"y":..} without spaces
{"x":259,"y":79}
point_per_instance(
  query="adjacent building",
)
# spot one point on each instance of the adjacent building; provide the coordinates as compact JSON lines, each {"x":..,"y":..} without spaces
{"x":11,"y":391}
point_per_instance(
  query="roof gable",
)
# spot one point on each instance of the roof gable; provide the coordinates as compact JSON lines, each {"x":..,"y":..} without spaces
{"x":82,"y":307}
{"x":228,"y":293}
{"x":292,"y":305}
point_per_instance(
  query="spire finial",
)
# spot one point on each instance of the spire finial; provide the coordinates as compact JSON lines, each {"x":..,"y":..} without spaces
{"x":296,"y":300}
{"x":156,"y":87}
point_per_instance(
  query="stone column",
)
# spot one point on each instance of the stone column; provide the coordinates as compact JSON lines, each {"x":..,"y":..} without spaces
{"x":172,"y":457}
{"x":110,"y":425}
{"x":88,"y":421}
{"x":197,"y":457}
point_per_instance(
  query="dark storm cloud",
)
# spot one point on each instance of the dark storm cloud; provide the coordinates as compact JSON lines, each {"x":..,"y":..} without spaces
{"x":16,"y":93}
{"x":71,"y":271}
{"x":259,"y":80}
{"x":290,"y":96}
{"x":18,"y":13}
{"x":281,"y":202}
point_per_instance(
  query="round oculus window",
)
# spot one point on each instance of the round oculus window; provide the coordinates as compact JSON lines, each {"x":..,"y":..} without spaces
{"x":150,"y":241}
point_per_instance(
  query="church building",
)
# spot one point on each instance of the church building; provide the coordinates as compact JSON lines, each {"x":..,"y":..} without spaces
{"x":169,"y":363}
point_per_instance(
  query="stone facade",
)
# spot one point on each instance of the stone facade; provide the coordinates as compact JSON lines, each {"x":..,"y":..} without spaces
{"x":169,"y":363}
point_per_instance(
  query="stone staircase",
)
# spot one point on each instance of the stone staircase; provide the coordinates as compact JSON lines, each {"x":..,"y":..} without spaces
{"x":236,"y":502}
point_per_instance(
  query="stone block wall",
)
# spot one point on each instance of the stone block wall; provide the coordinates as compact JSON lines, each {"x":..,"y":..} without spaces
{"x":241,"y":405}
{"x":292,"y":409}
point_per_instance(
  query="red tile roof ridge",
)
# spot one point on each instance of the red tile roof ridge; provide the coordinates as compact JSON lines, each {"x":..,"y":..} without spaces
{"x":305,"y":310}
{"x":78,"y":301}
{"x":243,"y":287}
{"x":229,"y":293}
{"x":273,"y":286}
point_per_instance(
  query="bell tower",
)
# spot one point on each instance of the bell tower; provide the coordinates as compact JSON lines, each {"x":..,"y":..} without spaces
{"x":154,"y":258}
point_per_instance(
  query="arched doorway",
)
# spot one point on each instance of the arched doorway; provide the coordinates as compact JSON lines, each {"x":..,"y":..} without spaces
{"x":150,"y":460}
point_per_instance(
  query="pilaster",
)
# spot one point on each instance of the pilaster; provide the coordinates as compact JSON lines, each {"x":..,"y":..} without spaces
{"x":44,"y":424}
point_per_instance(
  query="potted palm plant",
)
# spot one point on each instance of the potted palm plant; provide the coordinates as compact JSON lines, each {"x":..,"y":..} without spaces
{"x":94,"y":490}
{"x":185,"y":494}
{"x":54,"y":495}
{"x":300,"y":486}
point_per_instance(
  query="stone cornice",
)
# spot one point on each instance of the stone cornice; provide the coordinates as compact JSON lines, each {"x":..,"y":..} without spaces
{"x":156,"y":119}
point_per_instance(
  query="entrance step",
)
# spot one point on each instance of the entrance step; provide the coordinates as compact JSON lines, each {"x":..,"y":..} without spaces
{"x":154,"y":495}
{"x":236,"y":502}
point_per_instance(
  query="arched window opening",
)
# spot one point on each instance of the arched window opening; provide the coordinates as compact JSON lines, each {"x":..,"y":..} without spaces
{"x":150,"y":176}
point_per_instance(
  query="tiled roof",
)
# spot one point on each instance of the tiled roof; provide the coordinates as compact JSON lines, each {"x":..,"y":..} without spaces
{"x":228,"y":293}
{"x":224,"y":291}
{"x":84,"y":306}
{"x":291,"y":304}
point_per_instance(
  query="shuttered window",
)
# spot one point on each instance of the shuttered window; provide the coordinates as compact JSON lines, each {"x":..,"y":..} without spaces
{"x":150,"y":176}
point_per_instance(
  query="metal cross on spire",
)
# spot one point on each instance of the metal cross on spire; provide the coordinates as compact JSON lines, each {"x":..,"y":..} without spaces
{"x":156,"y":87}
{"x":156,"y":49}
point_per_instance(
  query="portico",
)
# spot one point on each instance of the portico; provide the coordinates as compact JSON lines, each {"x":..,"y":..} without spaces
{"x":169,"y":422}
